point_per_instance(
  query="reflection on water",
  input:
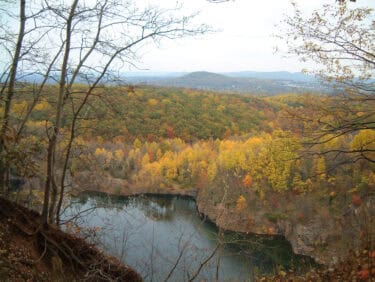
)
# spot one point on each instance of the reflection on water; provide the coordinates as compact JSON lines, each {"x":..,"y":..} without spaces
{"x":156,"y":234}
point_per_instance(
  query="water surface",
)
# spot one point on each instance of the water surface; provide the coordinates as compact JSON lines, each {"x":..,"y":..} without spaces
{"x":155,"y":234}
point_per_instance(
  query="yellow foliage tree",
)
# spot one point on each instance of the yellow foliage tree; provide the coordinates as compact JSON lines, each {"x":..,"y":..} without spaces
{"x":137,"y":144}
{"x":364,"y":142}
{"x":19,"y":108}
{"x":43,"y":105}
{"x":241,"y":203}
{"x":103,"y":155}
{"x":212,"y":171}
{"x":320,"y":169}
{"x":152,"y":102}
{"x":119,"y":154}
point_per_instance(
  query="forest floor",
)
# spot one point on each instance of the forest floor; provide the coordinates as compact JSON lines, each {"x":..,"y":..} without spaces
{"x":31,"y":253}
{"x":359,"y":266}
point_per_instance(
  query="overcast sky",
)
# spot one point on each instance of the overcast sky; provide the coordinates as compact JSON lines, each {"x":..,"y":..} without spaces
{"x":246,"y":40}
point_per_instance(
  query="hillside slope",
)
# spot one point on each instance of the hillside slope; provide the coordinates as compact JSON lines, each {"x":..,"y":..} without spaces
{"x":30,"y":253}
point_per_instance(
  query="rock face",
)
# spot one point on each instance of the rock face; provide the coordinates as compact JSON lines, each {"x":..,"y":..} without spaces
{"x":315,"y":239}
{"x":326,"y":237}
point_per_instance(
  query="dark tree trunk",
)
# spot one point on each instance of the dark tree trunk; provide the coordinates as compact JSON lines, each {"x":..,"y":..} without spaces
{"x":59,"y":112}
{"x":10,"y":93}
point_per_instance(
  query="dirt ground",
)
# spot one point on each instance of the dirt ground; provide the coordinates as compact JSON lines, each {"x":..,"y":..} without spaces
{"x":31,"y":253}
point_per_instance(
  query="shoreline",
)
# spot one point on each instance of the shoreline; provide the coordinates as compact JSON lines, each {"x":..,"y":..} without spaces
{"x":205,"y":217}
{"x":302,"y":235}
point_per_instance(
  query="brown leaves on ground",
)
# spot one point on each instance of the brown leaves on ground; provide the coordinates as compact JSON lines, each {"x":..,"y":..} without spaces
{"x":358,"y":267}
{"x":31,"y":253}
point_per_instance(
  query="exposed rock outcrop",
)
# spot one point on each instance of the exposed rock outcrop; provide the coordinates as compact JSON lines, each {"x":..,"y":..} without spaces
{"x":326,"y":237}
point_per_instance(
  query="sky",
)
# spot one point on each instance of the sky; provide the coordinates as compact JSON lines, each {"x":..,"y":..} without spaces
{"x":245,"y":37}
{"x":245,"y":40}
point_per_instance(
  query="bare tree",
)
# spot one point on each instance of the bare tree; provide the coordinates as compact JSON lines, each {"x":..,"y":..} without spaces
{"x":98,"y":39}
{"x":87,"y":43}
{"x":9,"y":90}
{"x":24,"y":58}
{"x":340,"y":39}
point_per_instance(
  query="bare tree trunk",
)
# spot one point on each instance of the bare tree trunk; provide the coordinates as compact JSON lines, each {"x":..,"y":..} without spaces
{"x":168,"y":28}
{"x":204,"y":262}
{"x":51,"y":213}
{"x":10,"y":92}
{"x":65,"y":168}
{"x":59,"y":111}
{"x":76,"y":114}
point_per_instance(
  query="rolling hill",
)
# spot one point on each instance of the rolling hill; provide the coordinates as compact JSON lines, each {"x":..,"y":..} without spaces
{"x":220,"y":82}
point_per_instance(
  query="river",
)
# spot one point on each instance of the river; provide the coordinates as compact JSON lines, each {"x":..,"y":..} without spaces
{"x":155,"y":234}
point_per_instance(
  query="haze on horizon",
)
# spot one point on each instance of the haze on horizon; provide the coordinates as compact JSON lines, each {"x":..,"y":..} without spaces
{"x":246,"y":40}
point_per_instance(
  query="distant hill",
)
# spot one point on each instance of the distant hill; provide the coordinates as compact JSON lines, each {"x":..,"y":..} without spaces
{"x":242,"y":83}
{"x":263,"y":83}
{"x":207,"y":80}
{"x":278,"y":75}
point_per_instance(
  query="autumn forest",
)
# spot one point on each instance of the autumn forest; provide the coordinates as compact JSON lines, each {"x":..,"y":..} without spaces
{"x":295,"y":167}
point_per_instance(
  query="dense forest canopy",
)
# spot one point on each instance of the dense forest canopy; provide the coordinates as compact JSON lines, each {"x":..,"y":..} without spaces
{"x":134,"y":129}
